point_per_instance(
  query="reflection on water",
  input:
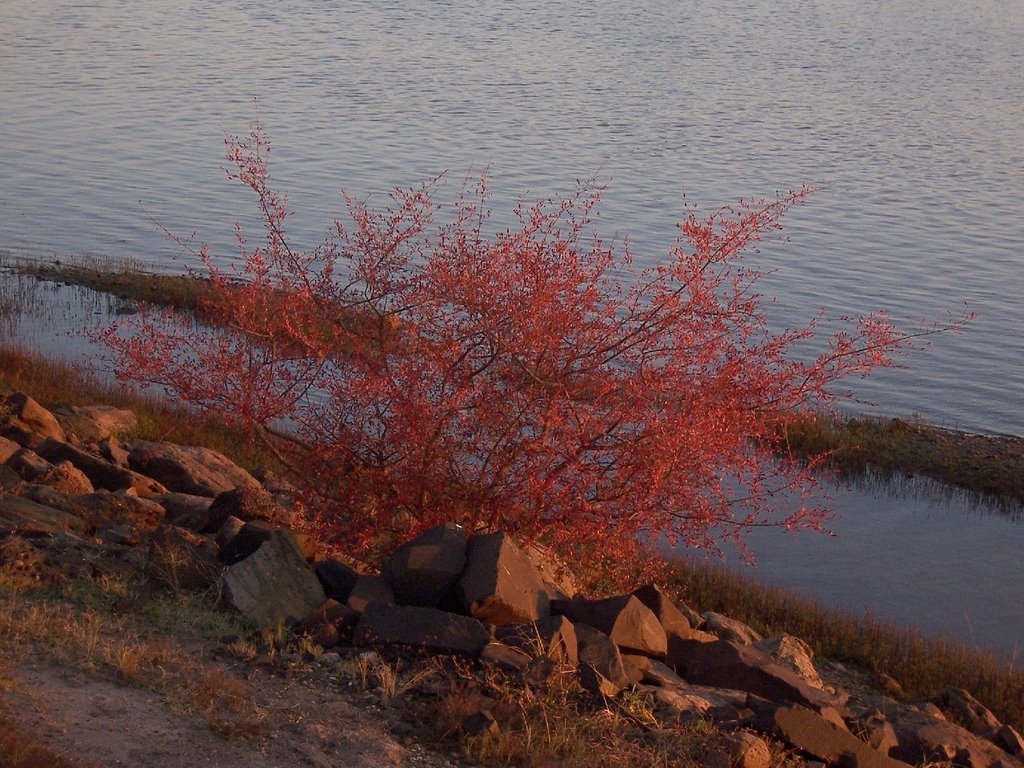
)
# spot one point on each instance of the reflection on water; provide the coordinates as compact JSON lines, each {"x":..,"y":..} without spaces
{"x":906,"y":549}
{"x":911,"y":551}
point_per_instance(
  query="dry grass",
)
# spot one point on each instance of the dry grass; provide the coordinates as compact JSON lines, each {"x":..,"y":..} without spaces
{"x":921,"y":665}
{"x":22,"y":749}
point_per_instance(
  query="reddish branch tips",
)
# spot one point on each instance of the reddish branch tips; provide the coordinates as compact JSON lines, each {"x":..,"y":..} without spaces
{"x":532,"y":380}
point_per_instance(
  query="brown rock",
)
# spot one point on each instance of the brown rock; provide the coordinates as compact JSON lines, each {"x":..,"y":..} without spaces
{"x":101,"y":509}
{"x":25,"y":414}
{"x":923,"y":738}
{"x":422,"y":571}
{"x":743,"y":667}
{"x":186,"y":510}
{"x":29,"y":464}
{"x":1008,"y":740}
{"x":729,"y":629}
{"x":7,"y":449}
{"x":499,"y":584}
{"x":187,"y":469}
{"x":427,"y":628}
{"x":792,"y":652}
{"x":505,"y":657}
{"x":553,"y":636}
{"x":745,"y":750}
{"x":247,"y":502}
{"x":177,"y":560}
{"x":249,"y":538}
{"x":66,"y":478}
{"x":661,"y":605}
{"x":600,"y":663}
{"x":559,"y":581}
{"x":626,"y":620}
{"x":25,"y":517}
{"x":635,"y":666}
{"x":810,"y":733}
{"x":227,"y":532}
{"x":101,"y":473}
{"x":965,"y":710}
{"x":93,"y":423}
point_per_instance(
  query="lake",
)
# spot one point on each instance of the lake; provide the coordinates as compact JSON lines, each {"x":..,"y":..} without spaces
{"x":909,"y":117}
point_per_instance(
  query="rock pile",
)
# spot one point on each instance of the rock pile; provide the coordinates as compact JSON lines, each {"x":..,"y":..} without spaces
{"x":203,"y":521}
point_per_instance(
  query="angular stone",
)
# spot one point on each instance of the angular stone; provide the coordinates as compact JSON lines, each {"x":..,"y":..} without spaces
{"x":499,"y":584}
{"x":925,"y":738}
{"x":635,"y":666}
{"x":878,"y":733}
{"x":247,"y":502}
{"x":337,"y":578}
{"x":187,"y":469}
{"x":367,"y":590}
{"x":101,"y":509}
{"x":810,"y":733}
{"x":274,"y":584}
{"x":792,"y":652}
{"x":25,"y":413}
{"x":29,"y":464}
{"x":505,"y":657}
{"x":66,"y":478}
{"x":600,"y":663}
{"x":248,"y":540}
{"x":743,"y":667}
{"x":93,"y":423}
{"x":422,"y":571}
{"x":101,"y":473}
{"x":1008,"y":740}
{"x":552,"y":636}
{"x":559,"y":581}
{"x":661,"y":605}
{"x":745,"y":750}
{"x":231,"y":528}
{"x":729,"y":629}
{"x":25,"y":517}
{"x":186,"y":510}
{"x":964,"y":709}
{"x":427,"y":628}
{"x":9,"y":479}
{"x":626,"y":620}
{"x":112,"y":450}
{"x":177,"y":560}
{"x":7,"y":449}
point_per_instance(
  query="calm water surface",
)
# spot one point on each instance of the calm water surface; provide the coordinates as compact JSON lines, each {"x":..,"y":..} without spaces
{"x":910,"y":116}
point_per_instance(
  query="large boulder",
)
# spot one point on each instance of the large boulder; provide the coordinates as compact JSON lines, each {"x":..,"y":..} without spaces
{"x":668,"y":613}
{"x":101,"y":473}
{"x":627,"y":621}
{"x":422,"y":571}
{"x":93,"y":423}
{"x":274,"y":584}
{"x":337,"y":578}
{"x":962,"y":708}
{"x":428,"y":628}
{"x":21,"y":417}
{"x":812,"y":734}
{"x":66,"y":478}
{"x":792,"y":652}
{"x":187,"y":469}
{"x":924,"y":738}
{"x":7,"y":448}
{"x":600,"y":669}
{"x":186,"y":510}
{"x":553,"y":636}
{"x":499,"y":584}
{"x":728,"y":629}
{"x":25,"y":517}
{"x":102,"y":509}
{"x":727,"y":664}
{"x":246,"y":502}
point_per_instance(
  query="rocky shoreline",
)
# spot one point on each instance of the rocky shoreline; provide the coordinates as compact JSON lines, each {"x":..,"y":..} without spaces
{"x":74,"y":495}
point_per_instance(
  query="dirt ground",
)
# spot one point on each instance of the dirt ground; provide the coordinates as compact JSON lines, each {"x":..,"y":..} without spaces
{"x":96,"y":723}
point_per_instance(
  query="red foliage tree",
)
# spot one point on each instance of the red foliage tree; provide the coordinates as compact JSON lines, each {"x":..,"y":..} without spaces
{"x":531,"y":380}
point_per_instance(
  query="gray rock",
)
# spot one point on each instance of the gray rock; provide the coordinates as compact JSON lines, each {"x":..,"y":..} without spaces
{"x":505,"y":657}
{"x":246,"y":502}
{"x":427,"y":628}
{"x":187,"y":469}
{"x":247,"y":541}
{"x":274,"y":584}
{"x":422,"y":571}
{"x":367,"y":590}
{"x":337,"y":578}
{"x":186,"y":510}
{"x":499,"y":585}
